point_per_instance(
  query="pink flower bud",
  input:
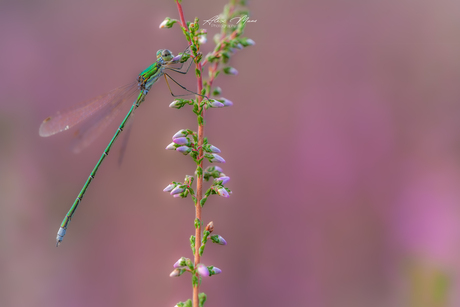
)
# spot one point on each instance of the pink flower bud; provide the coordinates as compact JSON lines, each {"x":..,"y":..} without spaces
{"x":218,"y":239}
{"x":184,"y":149}
{"x":230,"y":71}
{"x":175,"y":104}
{"x":181,"y":141}
{"x":202,"y":39}
{"x":222,"y":192}
{"x":180,"y":263}
{"x":223,"y":179}
{"x":217,"y":158}
{"x":250,"y":42}
{"x":203,"y":270}
{"x":180,"y":133}
{"x":167,"y":23}
{"x":215,"y":271}
{"x":216,"y":104}
{"x":226,"y":102}
{"x":219,"y":169}
{"x":171,"y":146}
{"x":177,"y":272}
{"x":163,"y":23}
{"x":177,"y":190}
{"x":214,"y":149}
{"x":169,"y":188}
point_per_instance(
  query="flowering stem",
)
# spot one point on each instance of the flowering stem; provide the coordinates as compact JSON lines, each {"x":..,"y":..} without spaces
{"x":199,"y":195}
{"x":199,"y":183}
{"x":194,"y":144}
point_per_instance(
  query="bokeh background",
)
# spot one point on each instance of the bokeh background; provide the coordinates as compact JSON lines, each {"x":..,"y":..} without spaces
{"x":343,"y":148}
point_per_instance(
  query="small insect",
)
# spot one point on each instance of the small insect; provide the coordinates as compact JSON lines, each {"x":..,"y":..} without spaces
{"x":100,"y":111}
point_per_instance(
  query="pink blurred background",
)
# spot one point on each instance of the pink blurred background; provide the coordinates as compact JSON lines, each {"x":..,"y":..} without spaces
{"x":343,"y":146}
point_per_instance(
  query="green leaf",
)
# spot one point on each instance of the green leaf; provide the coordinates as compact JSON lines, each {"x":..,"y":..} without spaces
{"x":192,"y":243}
{"x":225,"y":57}
{"x":198,"y":58}
{"x":211,"y":59}
{"x":206,"y":234}
{"x":196,"y":108}
{"x":184,"y":58}
{"x":195,"y":280}
{"x":208,"y":192}
{"x":193,"y":48}
{"x":184,"y":30}
{"x":230,"y":70}
{"x":194,"y":155}
{"x":189,"y":263}
{"x":217,"y":91}
{"x":202,"y":299}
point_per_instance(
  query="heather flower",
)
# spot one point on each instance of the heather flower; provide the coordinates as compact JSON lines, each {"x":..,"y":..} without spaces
{"x":230,"y":71}
{"x":216,"y":104}
{"x":169,"y":188}
{"x":218,"y":239}
{"x":177,"y":190}
{"x":222,"y":192}
{"x":223,"y":179}
{"x":181,"y":141}
{"x":202,"y":270}
{"x":171,"y":146}
{"x":217,"y":158}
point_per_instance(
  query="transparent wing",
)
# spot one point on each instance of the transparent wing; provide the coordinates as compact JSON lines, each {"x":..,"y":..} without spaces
{"x":100,"y":107}
{"x":93,"y":128}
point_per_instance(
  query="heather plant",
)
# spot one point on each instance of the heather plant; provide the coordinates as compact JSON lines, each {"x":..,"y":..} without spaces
{"x":194,"y":144}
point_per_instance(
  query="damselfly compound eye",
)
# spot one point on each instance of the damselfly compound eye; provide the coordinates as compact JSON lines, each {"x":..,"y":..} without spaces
{"x":166,"y":55}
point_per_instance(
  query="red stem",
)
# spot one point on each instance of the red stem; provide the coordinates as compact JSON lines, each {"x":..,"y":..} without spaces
{"x":199,"y":183}
{"x":181,"y":15}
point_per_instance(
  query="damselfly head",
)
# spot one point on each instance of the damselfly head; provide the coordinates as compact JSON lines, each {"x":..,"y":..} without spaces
{"x":165,"y":55}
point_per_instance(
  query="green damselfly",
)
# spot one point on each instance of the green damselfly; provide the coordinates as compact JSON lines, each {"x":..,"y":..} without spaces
{"x":102,"y":109}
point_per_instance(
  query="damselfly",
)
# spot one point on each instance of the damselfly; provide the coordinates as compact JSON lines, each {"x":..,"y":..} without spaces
{"x":102,"y":109}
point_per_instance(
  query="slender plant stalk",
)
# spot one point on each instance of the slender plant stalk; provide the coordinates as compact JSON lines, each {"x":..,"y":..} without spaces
{"x":199,"y":196}
{"x":199,"y":179}
{"x":195,"y":144}
{"x":181,"y":16}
